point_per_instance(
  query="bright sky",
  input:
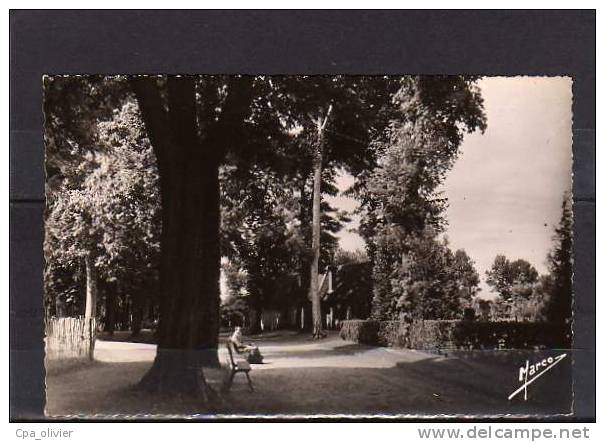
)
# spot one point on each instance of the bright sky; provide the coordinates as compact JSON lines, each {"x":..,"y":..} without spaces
{"x":506,"y":189}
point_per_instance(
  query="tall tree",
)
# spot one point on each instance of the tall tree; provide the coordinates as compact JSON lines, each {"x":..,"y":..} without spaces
{"x":102,"y":218}
{"x":332,"y":221}
{"x":318,"y":153}
{"x":72,"y":240}
{"x":191,"y":138}
{"x":400,"y":199}
{"x":462,"y":269}
{"x":266,"y":230}
{"x":560,"y":262}
{"x":73,"y":108}
{"x":337,"y":116}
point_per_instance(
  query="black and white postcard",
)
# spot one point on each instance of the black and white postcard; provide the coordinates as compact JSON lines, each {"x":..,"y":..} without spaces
{"x":308,"y":245}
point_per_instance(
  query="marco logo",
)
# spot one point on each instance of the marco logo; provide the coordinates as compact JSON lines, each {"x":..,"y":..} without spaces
{"x":529,"y":373}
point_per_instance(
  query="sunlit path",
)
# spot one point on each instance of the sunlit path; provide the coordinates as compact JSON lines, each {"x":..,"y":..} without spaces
{"x":326,"y":377}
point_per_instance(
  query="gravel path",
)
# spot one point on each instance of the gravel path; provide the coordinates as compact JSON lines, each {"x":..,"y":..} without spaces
{"x":331,"y":376}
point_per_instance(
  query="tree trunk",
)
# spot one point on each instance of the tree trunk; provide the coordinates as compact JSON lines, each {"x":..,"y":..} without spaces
{"x":256,"y":300}
{"x":318,"y":332}
{"x":255,"y":319}
{"x":110,"y":310}
{"x":90,"y":310}
{"x":127,"y":323}
{"x":190,"y":248}
{"x":190,"y":266}
{"x":139,"y":304}
{"x":314,"y":273}
{"x":137,"y":319}
{"x":302,"y":291}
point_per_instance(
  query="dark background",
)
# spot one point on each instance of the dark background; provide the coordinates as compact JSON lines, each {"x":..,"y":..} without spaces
{"x":282,"y":42}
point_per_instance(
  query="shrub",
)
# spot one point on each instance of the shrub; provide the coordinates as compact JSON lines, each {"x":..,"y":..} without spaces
{"x":452,"y":334}
{"x":393,"y":333}
{"x":432,"y":334}
{"x":389,"y":333}
{"x":507,"y":334}
{"x":362,"y":331}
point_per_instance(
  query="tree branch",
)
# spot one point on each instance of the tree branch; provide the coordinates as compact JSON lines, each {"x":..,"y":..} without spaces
{"x":154,"y":116}
{"x":323,"y":125}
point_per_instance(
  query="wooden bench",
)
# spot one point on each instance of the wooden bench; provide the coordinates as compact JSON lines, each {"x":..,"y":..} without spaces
{"x":239,"y":366}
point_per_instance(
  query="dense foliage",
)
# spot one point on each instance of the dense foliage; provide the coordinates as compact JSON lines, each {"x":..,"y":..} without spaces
{"x":402,"y":208}
{"x":105,"y":207}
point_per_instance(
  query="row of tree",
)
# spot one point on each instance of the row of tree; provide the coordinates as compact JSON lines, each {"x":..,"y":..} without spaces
{"x":415,"y":272}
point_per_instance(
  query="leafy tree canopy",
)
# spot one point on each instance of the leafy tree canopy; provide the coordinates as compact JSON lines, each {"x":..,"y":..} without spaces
{"x":511,"y":278}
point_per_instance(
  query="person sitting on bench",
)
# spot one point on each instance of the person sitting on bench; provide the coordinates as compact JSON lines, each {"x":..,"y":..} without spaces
{"x":238,"y":342}
{"x":252,"y":352}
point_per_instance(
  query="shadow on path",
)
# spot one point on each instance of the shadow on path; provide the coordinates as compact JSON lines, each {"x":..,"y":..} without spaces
{"x":324,"y":377}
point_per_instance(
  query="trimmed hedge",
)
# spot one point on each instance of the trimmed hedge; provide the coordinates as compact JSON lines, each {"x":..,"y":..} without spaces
{"x":453,"y":334}
{"x":359,"y":330}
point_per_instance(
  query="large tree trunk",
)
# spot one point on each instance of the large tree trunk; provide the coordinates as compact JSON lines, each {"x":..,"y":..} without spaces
{"x":318,"y":332}
{"x":189,"y":282}
{"x":90,"y":310}
{"x":190,"y":255}
{"x":190,"y":242}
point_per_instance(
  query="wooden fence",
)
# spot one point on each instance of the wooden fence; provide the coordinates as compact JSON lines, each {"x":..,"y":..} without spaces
{"x":70,"y":338}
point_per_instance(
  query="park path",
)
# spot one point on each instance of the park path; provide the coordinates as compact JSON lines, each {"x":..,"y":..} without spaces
{"x":109,"y":351}
{"x":291,"y":352}
{"x":327,"y":377}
